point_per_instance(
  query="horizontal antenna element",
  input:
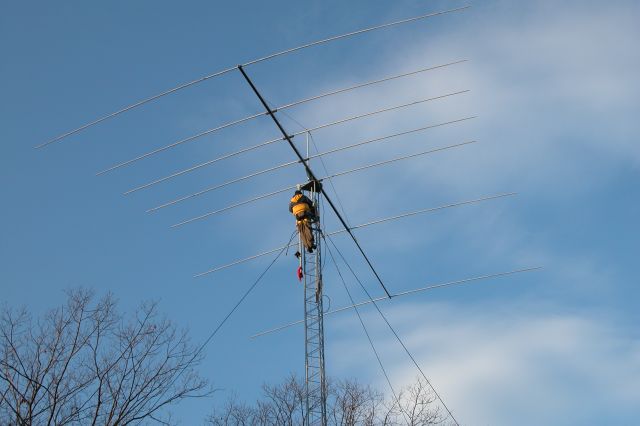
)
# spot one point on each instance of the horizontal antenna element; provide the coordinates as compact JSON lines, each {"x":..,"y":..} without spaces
{"x":180,"y":142}
{"x":404,"y":293}
{"x":233,"y":206}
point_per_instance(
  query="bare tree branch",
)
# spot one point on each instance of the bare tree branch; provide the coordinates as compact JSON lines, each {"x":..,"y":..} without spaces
{"x":349,"y":403}
{"x":84,"y":363}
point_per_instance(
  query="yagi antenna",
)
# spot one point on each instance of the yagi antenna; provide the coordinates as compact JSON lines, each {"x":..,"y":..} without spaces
{"x":228,"y":70}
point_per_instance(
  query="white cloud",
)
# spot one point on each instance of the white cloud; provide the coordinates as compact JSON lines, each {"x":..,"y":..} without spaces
{"x":504,"y":366}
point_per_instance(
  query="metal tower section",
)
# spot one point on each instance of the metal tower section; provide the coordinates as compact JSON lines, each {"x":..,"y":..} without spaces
{"x":315,"y":384}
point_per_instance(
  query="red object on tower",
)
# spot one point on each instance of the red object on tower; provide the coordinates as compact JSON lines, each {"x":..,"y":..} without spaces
{"x":300,"y":273}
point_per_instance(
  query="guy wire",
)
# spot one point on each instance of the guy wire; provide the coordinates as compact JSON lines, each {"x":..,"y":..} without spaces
{"x":395,"y":333}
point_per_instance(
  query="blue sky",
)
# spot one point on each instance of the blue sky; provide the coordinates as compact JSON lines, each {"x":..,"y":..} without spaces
{"x":555,"y":89}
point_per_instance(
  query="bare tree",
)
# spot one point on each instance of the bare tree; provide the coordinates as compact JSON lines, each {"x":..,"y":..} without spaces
{"x":349,"y":403}
{"x":417,"y":403}
{"x":84,"y":363}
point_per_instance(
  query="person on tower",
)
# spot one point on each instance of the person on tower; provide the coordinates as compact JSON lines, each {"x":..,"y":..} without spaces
{"x":305,"y":213}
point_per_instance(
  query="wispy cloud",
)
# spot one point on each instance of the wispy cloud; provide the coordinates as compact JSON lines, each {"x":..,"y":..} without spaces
{"x":505,"y":365}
